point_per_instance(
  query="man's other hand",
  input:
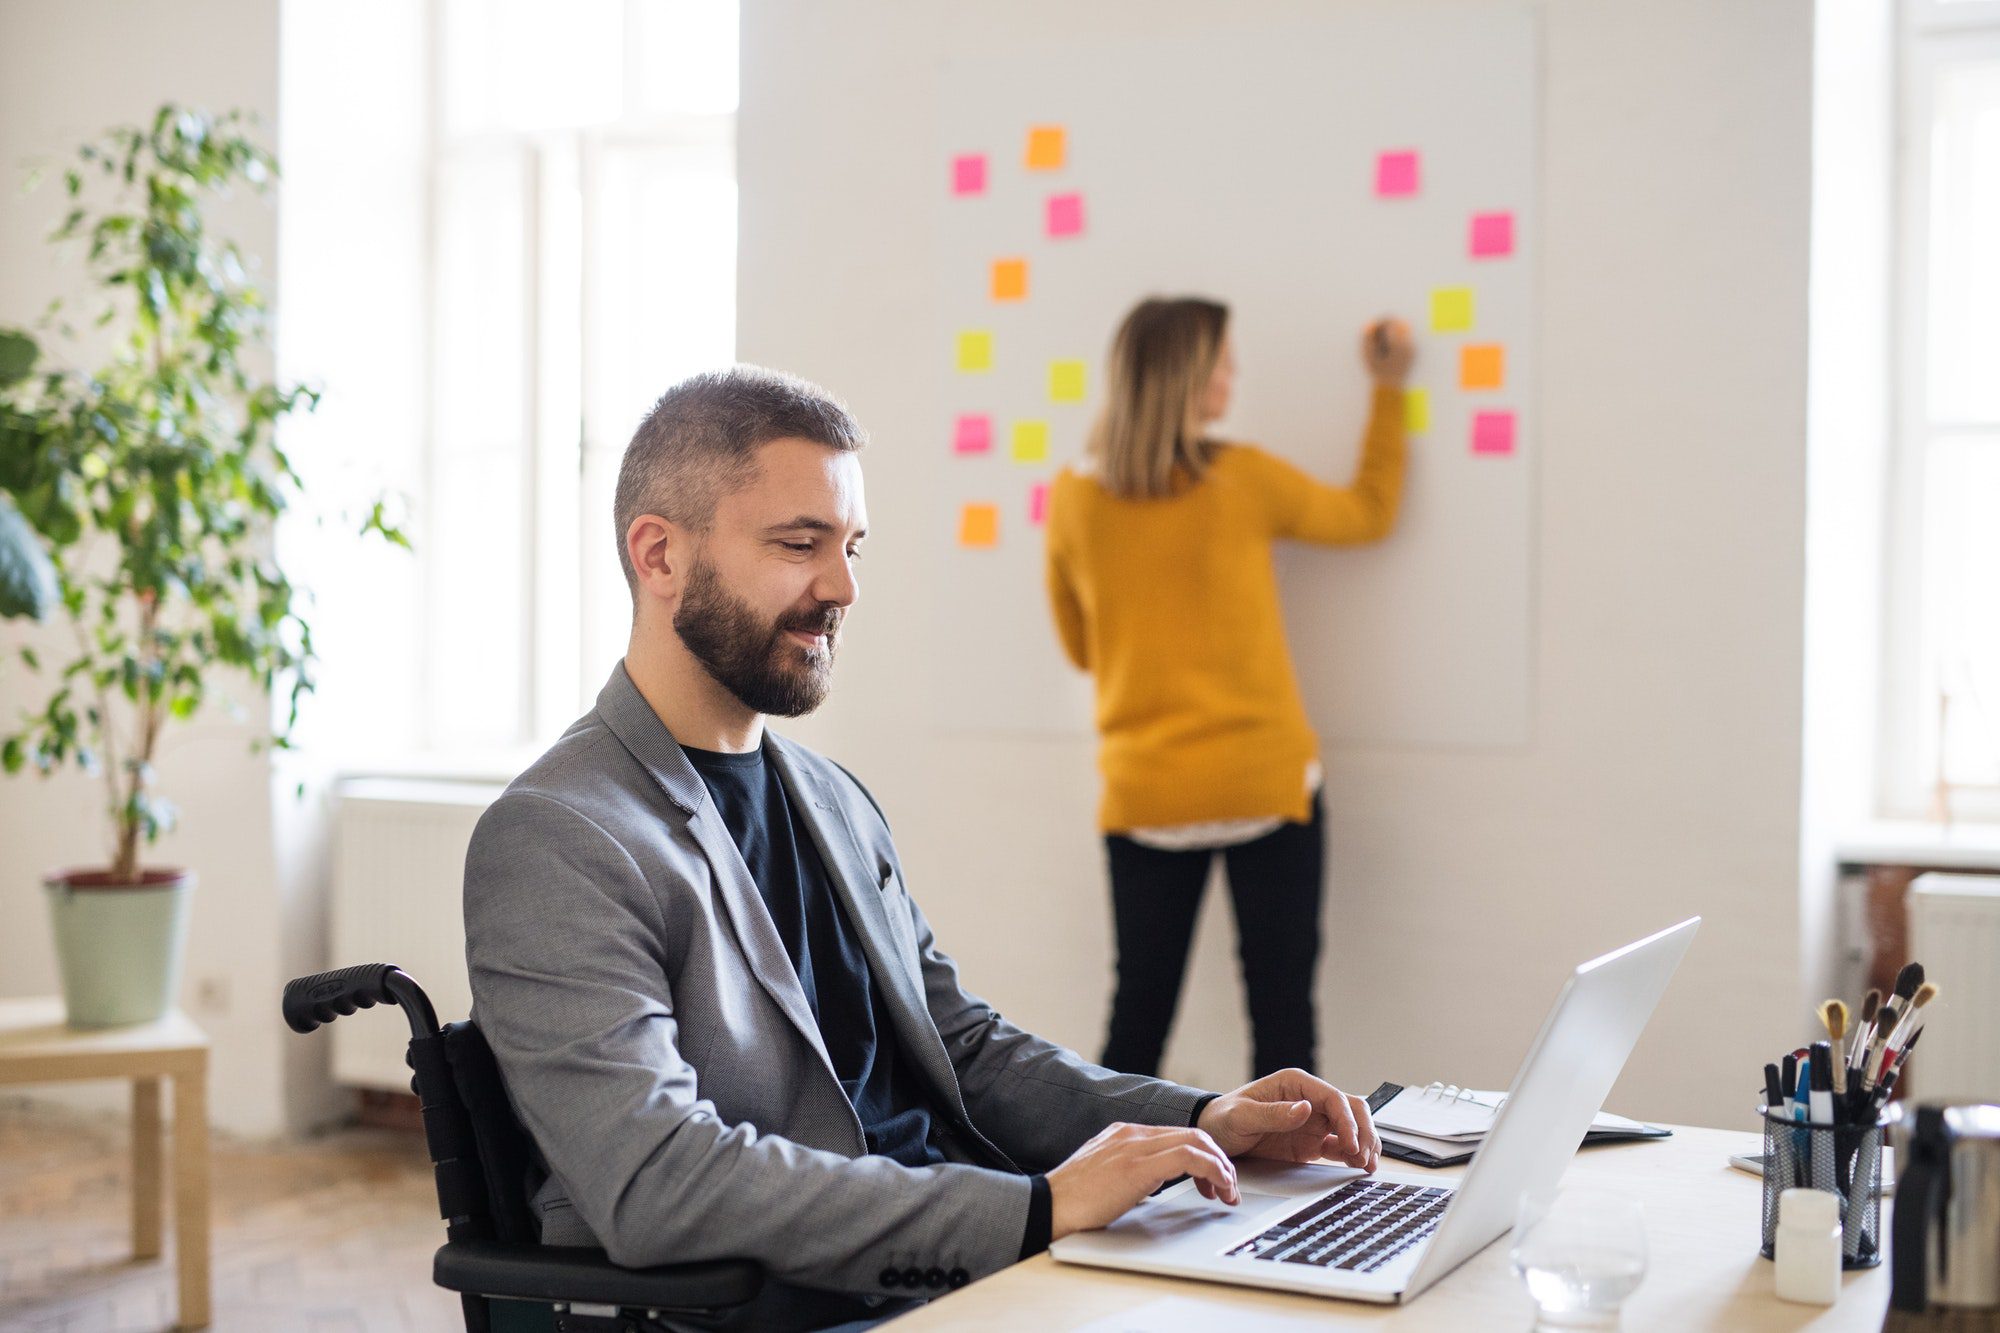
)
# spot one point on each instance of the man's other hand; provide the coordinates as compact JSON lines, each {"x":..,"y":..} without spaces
{"x":1291,"y":1116}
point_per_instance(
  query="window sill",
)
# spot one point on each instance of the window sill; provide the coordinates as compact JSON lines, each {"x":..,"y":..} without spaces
{"x":1956,"y":846}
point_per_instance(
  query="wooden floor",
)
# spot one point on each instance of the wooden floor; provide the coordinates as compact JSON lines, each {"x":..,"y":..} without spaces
{"x":334,"y":1235}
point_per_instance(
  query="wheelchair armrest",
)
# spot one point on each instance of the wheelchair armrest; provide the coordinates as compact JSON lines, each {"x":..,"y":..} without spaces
{"x":564,"y":1273}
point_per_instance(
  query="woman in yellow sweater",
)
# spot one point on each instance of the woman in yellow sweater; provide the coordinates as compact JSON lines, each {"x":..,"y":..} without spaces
{"x":1160,"y":574}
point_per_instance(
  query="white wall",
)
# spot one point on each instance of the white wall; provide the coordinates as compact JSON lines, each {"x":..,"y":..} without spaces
{"x":1849,"y":430}
{"x":1664,"y":775}
{"x":69,"y":69}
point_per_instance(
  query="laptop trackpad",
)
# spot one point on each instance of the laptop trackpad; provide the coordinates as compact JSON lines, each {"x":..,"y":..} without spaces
{"x":1184,"y":1216}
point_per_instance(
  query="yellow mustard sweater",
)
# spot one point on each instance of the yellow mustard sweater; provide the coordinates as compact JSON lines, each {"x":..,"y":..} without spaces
{"x":1172,"y":606}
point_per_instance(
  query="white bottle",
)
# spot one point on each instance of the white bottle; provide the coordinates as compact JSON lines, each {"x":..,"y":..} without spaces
{"x":1808,"y":1246}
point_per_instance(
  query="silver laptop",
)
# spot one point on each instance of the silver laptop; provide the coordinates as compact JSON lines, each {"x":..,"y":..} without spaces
{"x":1331,"y":1231}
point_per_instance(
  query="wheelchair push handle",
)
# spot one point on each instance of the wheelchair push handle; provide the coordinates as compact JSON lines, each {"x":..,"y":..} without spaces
{"x":325,"y":996}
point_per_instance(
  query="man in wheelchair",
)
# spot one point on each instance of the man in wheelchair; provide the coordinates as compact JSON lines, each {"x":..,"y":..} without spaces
{"x":719,"y":1012}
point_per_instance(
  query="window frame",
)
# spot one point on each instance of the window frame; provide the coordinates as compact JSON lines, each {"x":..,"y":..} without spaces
{"x":555,"y":657}
{"x":1932,"y":35}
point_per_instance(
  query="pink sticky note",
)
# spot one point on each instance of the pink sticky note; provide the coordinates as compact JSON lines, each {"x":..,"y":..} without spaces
{"x":974,"y":434}
{"x":968,"y":173}
{"x":1396,"y":173}
{"x":1065,"y":215}
{"x":1492,"y":234}
{"x":1493,"y":433}
{"x":1038,"y":502}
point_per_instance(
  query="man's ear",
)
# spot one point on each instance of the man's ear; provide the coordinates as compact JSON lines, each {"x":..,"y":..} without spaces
{"x":662,"y":553}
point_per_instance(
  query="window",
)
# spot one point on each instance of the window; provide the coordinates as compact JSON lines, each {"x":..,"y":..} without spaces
{"x":494,"y":261}
{"x":1942,"y":706}
{"x":584,"y":207}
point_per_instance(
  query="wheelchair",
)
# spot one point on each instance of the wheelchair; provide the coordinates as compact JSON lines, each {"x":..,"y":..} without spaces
{"x":506,"y":1280}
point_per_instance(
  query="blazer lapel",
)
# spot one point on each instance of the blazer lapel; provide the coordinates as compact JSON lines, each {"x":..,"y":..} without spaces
{"x":861,"y":896}
{"x":635,"y":724}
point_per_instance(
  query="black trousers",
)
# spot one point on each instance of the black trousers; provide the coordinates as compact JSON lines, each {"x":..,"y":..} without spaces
{"x":1275,"y":885}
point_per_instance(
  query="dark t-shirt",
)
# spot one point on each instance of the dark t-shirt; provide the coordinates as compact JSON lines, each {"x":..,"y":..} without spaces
{"x":896,"y":1114}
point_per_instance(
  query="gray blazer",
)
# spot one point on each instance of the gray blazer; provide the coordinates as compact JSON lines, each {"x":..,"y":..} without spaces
{"x":659,"y":1049}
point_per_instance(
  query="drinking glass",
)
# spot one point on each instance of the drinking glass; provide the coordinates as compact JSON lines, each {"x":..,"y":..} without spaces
{"x":1581,"y":1252}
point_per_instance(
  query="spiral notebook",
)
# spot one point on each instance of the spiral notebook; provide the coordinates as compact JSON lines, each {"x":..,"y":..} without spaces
{"x":1442,"y":1124}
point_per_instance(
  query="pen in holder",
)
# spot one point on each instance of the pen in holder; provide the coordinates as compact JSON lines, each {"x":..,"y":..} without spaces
{"x":1843,"y":1159}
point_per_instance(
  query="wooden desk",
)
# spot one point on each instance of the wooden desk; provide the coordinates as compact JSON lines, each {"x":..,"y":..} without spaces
{"x":36,"y":1047}
{"x":1704,"y":1270}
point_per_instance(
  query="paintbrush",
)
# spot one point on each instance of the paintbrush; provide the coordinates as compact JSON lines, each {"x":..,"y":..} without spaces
{"x":1907,"y":981}
{"x":1871,"y":1004}
{"x":1833,"y":1014}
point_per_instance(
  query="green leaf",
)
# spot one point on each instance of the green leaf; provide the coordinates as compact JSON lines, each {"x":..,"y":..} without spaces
{"x":17,"y":357}
{"x":28,"y":585}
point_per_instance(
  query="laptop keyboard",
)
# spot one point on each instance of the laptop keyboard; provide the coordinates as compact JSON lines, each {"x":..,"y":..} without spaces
{"x":1360,"y":1227}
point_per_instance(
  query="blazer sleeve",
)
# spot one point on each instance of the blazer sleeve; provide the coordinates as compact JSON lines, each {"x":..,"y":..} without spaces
{"x":1035,"y":1100}
{"x":1304,"y":508}
{"x":564,"y":946}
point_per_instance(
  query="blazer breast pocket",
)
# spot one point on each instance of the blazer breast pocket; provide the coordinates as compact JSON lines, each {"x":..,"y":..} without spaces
{"x":896,"y":905}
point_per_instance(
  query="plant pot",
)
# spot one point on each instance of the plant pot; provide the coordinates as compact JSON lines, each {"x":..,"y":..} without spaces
{"x":119,"y":946}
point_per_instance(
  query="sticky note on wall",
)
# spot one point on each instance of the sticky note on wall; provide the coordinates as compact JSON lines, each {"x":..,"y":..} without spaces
{"x":1482,"y":366}
{"x":968,"y":173}
{"x":1396,"y":174}
{"x":979,"y":525}
{"x":1010,"y":279}
{"x":1031,"y":441}
{"x":1038,"y":502}
{"x":973,"y":434}
{"x":1451,"y":309}
{"x":1493,"y":433}
{"x":1066,"y":381}
{"x":1048,"y":146}
{"x":1065,"y":215}
{"x":1492,"y":235}
{"x":975,"y":350}
{"x":1416,"y":411}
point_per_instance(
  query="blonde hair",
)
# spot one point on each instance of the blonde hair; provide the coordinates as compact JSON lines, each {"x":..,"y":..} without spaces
{"x":1148,"y":441}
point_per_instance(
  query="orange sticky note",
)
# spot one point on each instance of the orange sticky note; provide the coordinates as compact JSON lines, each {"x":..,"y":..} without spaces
{"x":1482,"y":366}
{"x":1010,"y":279}
{"x":1047,"y":147}
{"x":979,"y":525}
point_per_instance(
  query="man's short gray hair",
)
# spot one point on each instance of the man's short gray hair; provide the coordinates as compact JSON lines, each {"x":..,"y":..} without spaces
{"x":700,"y":441}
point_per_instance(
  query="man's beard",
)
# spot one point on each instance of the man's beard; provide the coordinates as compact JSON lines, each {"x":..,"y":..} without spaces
{"x":757,"y":663}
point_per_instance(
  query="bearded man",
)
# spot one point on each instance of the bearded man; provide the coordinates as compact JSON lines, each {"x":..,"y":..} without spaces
{"x":719,"y":1011}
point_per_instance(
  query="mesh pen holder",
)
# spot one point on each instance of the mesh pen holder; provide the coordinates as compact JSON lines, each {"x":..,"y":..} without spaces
{"x":1842,"y":1159}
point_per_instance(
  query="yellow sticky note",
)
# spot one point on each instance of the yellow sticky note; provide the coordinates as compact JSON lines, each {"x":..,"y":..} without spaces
{"x":1416,"y":410}
{"x":1451,"y":309}
{"x":1031,"y":441}
{"x":975,"y":349}
{"x":1010,"y":279}
{"x":979,"y":525}
{"x":1482,"y":366}
{"x":1066,"y":380}
{"x":1047,"y":147}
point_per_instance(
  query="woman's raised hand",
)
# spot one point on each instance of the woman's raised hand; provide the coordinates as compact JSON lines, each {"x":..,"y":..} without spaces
{"x":1386,"y":350}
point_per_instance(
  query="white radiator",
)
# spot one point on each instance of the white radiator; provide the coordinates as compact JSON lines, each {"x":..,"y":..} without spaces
{"x":398,"y":872}
{"x":1955,"y":934}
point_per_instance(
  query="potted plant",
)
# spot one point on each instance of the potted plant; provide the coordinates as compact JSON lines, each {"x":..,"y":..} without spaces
{"x":150,"y":486}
